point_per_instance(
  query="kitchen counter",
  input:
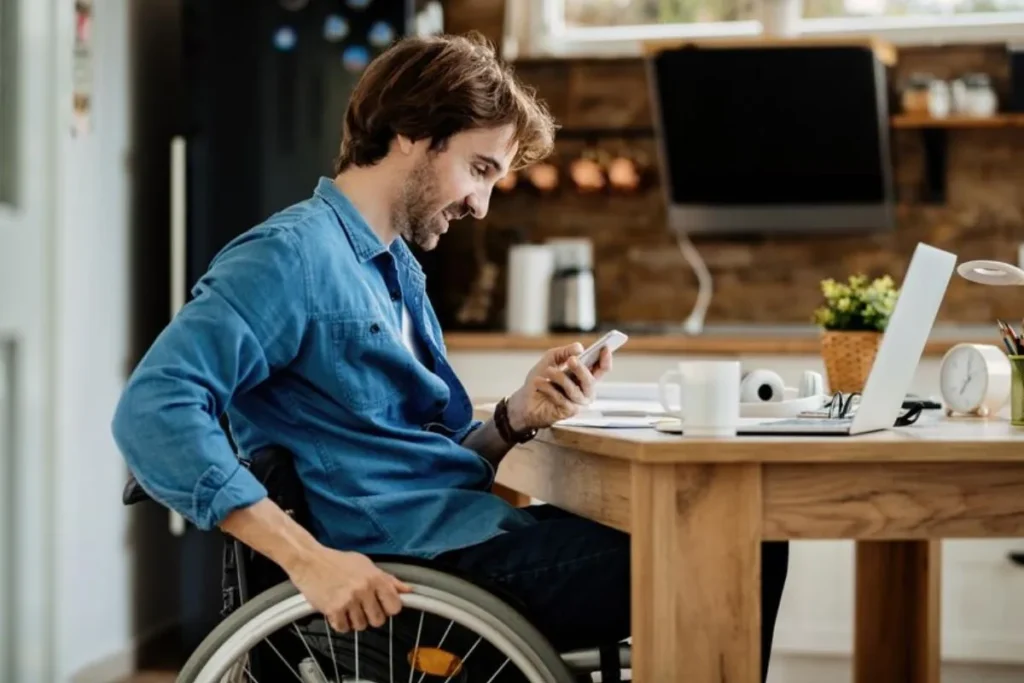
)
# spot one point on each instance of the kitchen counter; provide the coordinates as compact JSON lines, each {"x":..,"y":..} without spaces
{"x":715,"y":340}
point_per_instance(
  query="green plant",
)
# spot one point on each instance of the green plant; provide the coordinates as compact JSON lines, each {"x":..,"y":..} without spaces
{"x":856,"y":304}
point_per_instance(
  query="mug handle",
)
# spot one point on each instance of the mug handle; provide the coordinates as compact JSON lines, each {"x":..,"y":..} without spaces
{"x":663,"y":397}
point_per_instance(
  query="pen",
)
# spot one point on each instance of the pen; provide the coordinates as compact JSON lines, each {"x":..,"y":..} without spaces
{"x":1010,"y":339}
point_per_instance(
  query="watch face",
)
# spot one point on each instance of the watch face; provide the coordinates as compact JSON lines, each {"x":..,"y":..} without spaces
{"x":964,"y":379}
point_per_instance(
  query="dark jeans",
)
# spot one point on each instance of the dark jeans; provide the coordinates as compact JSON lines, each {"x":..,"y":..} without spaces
{"x":572,"y":576}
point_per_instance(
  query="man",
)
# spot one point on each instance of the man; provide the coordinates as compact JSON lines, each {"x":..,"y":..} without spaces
{"x":313,"y":332}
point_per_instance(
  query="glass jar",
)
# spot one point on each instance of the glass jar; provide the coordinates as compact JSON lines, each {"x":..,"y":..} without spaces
{"x":940,"y":100}
{"x":974,"y":95}
{"x":915,"y":94}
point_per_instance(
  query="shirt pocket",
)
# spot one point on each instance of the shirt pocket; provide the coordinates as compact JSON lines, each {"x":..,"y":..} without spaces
{"x":363,"y":351}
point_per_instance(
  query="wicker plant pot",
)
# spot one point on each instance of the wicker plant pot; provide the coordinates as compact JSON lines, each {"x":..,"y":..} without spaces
{"x":848,"y":356}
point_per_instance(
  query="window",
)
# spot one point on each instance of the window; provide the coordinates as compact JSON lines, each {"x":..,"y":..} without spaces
{"x":8,"y":102}
{"x":603,"y":13}
{"x":603,"y":27}
{"x":814,"y":9}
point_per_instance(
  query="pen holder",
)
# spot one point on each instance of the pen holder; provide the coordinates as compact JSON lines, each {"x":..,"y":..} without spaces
{"x":1017,"y":390}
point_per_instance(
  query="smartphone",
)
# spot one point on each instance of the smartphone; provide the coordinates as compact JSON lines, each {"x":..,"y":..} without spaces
{"x":592,"y":355}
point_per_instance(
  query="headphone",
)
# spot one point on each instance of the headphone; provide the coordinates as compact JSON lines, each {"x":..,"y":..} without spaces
{"x":762,"y":385}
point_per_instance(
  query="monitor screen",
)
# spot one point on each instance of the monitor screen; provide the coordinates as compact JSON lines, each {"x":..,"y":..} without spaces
{"x":774,"y":138}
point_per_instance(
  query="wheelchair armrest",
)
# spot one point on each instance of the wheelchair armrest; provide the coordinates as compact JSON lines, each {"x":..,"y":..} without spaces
{"x":133,"y":493}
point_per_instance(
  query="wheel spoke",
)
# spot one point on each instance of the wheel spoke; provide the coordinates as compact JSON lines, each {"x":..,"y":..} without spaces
{"x":416,"y":648}
{"x":439,"y":644}
{"x":503,"y":665}
{"x":466,"y":658}
{"x":305,"y":644}
{"x":284,"y":661}
{"x":330,"y":645}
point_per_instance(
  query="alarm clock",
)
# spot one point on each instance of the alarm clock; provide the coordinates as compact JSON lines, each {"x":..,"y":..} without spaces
{"x":974,"y":380}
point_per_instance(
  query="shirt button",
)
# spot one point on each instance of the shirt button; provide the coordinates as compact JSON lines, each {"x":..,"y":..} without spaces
{"x":374,"y":328}
{"x":395,"y":295}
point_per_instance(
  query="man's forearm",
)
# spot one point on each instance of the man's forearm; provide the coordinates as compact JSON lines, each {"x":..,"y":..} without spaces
{"x":268,"y":530}
{"x":487,"y":442}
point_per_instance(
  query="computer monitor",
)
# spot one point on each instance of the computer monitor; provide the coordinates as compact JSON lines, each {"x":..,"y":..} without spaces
{"x":790,"y":139}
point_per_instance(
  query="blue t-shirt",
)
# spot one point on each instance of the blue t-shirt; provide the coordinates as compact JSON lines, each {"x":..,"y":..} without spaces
{"x":296,"y":332}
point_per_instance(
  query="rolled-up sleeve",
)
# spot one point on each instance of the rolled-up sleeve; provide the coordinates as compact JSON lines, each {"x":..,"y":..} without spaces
{"x":460,"y":434}
{"x":246,"y":319}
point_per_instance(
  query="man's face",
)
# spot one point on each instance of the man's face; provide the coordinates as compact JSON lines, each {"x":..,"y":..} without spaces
{"x":449,"y":184}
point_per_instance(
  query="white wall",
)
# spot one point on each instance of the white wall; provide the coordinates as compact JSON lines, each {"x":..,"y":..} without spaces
{"x":92,"y":605}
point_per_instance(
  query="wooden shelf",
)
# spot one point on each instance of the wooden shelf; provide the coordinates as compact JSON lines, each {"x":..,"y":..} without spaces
{"x":934,"y":132}
{"x":1009,"y":120}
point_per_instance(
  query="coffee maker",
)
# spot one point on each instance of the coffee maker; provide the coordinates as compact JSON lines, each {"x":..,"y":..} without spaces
{"x":572,"y":304}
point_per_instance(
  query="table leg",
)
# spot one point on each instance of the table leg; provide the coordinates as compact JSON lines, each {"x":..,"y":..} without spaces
{"x":898,"y":593}
{"x":696,"y":564}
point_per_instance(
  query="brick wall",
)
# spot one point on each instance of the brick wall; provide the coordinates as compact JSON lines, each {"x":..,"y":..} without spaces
{"x":641,"y":275}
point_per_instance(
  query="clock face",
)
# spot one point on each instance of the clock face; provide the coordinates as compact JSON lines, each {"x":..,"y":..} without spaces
{"x":964,"y":379}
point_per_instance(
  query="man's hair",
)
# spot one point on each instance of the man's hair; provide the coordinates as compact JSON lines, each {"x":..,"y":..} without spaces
{"x":434,"y":87}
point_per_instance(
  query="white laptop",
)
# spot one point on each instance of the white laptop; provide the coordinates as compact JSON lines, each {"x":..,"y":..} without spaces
{"x":898,"y":355}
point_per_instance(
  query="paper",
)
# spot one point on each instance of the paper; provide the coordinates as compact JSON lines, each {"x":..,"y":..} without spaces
{"x":626,"y":407}
{"x":600,"y":421}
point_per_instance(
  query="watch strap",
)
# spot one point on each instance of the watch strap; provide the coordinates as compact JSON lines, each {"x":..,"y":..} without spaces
{"x":509,"y":435}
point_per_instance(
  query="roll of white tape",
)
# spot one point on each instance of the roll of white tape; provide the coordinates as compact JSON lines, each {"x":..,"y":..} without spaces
{"x":761,"y":386}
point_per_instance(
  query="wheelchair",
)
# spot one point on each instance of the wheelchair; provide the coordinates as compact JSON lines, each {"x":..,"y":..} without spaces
{"x":451,"y":628}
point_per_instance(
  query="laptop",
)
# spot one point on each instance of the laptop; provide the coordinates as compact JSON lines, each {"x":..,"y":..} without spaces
{"x":896,"y":361}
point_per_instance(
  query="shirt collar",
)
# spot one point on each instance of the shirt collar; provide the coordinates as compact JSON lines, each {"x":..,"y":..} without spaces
{"x":365,"y":242}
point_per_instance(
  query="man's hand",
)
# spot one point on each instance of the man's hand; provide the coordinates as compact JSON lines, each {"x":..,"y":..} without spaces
{"x":556,"y":388}
{"x":348,"y":589}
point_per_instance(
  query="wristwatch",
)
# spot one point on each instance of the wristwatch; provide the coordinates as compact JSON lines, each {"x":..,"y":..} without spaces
{"x":509,"y":435}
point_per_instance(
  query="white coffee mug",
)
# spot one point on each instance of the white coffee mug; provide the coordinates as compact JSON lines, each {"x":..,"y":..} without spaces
{"x":709,"y":392}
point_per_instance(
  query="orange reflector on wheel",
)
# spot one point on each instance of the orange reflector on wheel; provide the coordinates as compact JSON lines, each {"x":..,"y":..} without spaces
{"x":433,"y":661}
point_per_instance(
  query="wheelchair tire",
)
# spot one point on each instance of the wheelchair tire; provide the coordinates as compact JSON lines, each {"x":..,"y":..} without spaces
{"x":524,"y":644}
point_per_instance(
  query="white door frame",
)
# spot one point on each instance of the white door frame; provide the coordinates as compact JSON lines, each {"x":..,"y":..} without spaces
{"x":27,"y":309}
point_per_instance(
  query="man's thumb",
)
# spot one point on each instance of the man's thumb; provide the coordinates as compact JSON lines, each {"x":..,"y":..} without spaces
{"x":564,"y":353}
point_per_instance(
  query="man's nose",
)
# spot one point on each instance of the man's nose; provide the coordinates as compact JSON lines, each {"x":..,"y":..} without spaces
{"x":478,"y":204}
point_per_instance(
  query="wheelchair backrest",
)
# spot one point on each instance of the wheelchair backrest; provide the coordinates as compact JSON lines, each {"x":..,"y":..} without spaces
{"x":273,"y":466}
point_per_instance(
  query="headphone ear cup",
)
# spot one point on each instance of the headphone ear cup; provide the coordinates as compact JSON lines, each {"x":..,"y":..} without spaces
{"x":761,"y":386}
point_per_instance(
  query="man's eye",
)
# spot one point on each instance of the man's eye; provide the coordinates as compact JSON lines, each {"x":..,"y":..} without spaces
{"x":480,"y":170}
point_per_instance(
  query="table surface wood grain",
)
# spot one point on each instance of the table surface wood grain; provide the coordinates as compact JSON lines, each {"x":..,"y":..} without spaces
{"x":933,"y":438}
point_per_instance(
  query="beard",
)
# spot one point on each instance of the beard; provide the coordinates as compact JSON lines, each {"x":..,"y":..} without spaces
{"x":419,"y":214}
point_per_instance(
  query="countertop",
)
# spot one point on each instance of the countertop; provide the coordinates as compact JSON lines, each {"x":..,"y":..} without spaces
{"x":715,"y":339}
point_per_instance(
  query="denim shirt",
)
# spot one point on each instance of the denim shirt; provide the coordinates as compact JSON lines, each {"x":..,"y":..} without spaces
{"x":296,"y":333}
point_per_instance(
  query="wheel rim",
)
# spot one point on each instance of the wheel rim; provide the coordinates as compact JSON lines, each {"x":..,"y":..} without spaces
{"x":233,"y":650}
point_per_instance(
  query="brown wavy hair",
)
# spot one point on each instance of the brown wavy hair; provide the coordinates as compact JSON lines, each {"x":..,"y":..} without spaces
{"x":434,"y":87}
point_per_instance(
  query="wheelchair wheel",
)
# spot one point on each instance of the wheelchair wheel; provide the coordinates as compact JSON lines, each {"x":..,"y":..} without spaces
{"x":448,"y":630}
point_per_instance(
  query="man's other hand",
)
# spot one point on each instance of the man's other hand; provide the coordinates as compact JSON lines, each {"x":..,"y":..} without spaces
{"x":348,"y":589}
{"x":556,"y":388}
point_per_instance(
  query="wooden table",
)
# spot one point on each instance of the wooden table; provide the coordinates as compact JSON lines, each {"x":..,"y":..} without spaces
{"x":698,"y":508}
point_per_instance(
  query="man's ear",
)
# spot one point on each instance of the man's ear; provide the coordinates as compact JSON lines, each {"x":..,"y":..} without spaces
{"x":405,"y":145}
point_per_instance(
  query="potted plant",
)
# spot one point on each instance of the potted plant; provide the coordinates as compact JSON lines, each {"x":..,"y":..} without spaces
{"x":852,"y":320}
